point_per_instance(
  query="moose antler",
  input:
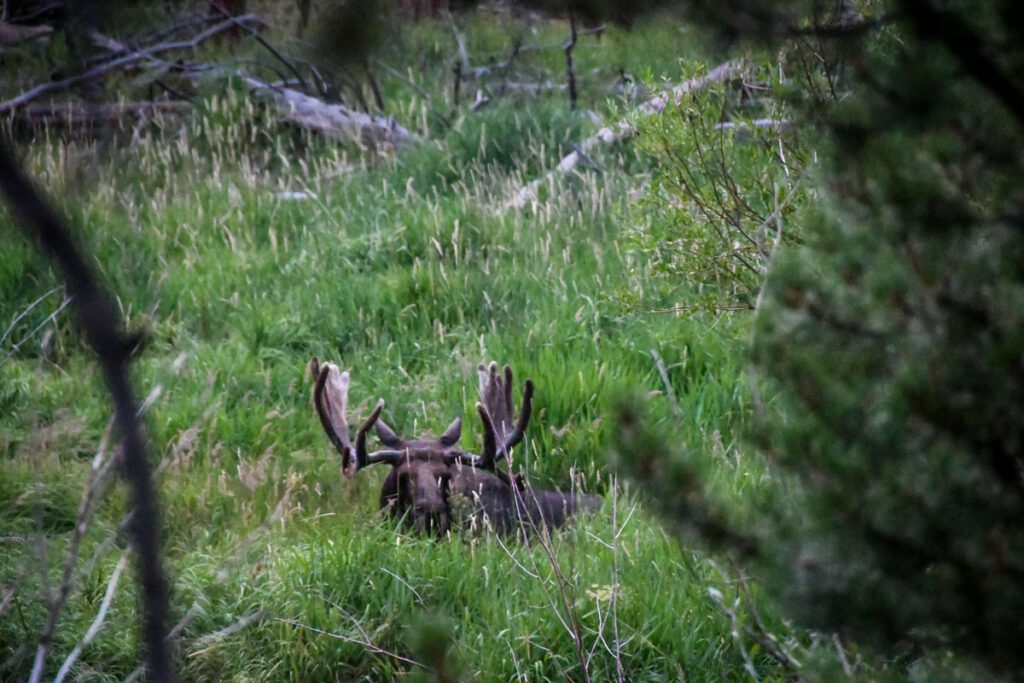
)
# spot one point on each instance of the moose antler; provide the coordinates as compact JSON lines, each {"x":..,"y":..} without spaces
{"x":330,"y":398}
{"x":495,"y":411}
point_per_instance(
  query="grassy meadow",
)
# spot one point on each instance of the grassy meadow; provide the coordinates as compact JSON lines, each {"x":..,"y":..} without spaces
{"x":408,"y":270}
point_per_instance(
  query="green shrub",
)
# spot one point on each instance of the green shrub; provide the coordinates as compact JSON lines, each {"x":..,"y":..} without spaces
{"x":729,"y":175}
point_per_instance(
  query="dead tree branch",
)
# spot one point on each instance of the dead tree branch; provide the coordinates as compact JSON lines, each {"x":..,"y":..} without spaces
{"x":120,"y":63}
{"x":237,"y":21}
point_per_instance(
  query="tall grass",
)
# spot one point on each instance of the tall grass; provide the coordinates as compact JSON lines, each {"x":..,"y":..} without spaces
{"x":406,"y":271}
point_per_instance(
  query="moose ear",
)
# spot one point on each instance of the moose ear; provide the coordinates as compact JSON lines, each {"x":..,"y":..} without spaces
{"x":452,"y":435}
{"x":387,"y":435}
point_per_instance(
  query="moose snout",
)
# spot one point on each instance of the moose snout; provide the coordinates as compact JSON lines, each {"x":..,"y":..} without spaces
{"x":431,"y":518}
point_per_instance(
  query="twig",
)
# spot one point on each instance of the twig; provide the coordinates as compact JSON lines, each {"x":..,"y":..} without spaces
{"x":456,"y":82}
{"x":190,"y":614}
{"x":480,"y":102}
{"x":96,"y":484}
{"x":94,"y":629}
{"x":534,"y":89}
{"x":735,"y":629}
{"x":174,"y":28}
{"x":659,"y":363}
{"x":237,"y":21}
{"x":222,"y":575}
{"x":841,"y":653}
{"x":570,"y":621}
{"x":419,"y":598}
{"x":17,"y":346}
{"x":460,"y":40}
{"x":348,"y":639}
{"x":371,"y":78}
{"x":777,"y":124}
{"x":229,"y":630}
{"x":620,"y":674}
{"x":28,"y":310}
{"x":767,"y":640}
{"x":99,"y":322}
{"x":405,"y":79}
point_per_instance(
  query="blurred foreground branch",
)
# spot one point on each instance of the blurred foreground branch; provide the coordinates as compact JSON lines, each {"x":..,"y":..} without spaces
{"x":103,"y":331}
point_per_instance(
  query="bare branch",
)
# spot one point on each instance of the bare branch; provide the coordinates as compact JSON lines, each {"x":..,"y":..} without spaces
{"x":28,"y":310}
{"x":93,"y":631}
{"x":17,"y":345}
{"x":238,"y":21}
{"x":120,"y":63}
{"x":94,"y":488}
{"x":349,"y":639}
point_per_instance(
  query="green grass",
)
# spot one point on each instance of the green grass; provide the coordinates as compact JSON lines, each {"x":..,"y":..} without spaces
{"x":407,"y":272}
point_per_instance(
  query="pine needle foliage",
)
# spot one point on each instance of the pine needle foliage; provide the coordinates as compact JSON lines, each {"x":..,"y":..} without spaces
{"x":892,"y":338}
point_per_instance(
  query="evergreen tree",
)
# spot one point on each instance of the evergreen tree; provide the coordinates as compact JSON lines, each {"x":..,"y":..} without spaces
{"x":893,"y":338}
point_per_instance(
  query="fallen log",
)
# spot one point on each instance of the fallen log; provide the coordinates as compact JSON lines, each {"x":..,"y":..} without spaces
{"x":621,"y":130}
{"x":534,"y":89}
{"x":333,"y":120}
{"x":73,"y":115}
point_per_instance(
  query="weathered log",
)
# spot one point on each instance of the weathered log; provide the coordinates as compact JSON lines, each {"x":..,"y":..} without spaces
{"x":333,"y":120}
{"x":73,"y":115}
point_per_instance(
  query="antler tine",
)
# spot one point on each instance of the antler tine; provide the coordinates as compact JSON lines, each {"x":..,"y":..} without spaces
{"x":524,"y":416}
{"x":496,"y":403}
{"x":508,"y":389}
{"x":363,"y":458}
{"x":488,"y":457}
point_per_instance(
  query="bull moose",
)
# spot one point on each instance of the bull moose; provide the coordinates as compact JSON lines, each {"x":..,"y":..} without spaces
{"x":433,"y":483}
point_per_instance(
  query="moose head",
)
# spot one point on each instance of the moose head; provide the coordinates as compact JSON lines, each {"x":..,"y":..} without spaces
{"x":429,"y":478}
